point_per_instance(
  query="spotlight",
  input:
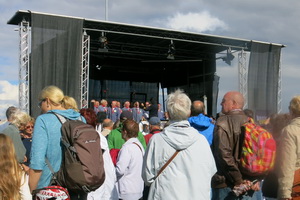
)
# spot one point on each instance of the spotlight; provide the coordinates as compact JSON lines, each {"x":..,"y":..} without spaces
{"x":171,"y":51}
{"x":98,"y":67}
{"x":229,"y":57}
{"x":103,"y":43}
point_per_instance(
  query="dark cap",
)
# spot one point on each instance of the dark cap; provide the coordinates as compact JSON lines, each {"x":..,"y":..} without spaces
{"x":154,"y":121}
{"x":126,"y":115}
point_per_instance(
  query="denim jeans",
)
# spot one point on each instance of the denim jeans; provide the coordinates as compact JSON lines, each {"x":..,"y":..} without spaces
{"x":226,"y":194}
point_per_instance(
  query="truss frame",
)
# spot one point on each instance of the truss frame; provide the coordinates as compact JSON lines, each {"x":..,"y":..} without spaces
{"x":243,"y":76}
{"x":84,"y":75}
{"x":24,"y":76}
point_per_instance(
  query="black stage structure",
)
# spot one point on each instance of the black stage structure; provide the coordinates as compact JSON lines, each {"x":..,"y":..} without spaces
{"x":125,"y":62}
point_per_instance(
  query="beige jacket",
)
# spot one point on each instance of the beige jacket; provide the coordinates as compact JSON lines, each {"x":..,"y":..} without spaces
{"x":288,"y":157}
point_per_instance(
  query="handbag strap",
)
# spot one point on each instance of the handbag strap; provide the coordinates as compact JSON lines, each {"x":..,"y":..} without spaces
{"x":167,"y":163}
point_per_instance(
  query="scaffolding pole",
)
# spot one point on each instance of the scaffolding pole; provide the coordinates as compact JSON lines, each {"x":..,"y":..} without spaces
{"x":279,"y":100}
{"x":243,"y":76}
{"x":84,"y":75}
{"x":24,"y":33}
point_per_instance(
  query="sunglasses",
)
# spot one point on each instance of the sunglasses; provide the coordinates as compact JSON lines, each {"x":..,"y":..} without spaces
{"x":28,"y":127}
{"x":40,"y":103}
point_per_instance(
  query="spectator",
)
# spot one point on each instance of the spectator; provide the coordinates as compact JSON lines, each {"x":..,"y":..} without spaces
{"x":154,"y":124}
{"x":108,"y":190}
{"x":14,"y":180}
{"x":115,"y":140}
{"x":19,"y":119}
{"x":107,"y":127}
{"x":289,"y":156}
{"x":9,"y":115}
{"x":26,"y":133}
{"x":188,"y":175}
{"x":129,"y":163}
{"x":226,"y":149}
{"x":199,"y":121}
{"x":46,"y":138}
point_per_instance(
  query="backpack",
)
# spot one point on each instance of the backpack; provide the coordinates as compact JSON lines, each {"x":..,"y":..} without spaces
{"x":258,"y":150}
{"x":82,"y":167}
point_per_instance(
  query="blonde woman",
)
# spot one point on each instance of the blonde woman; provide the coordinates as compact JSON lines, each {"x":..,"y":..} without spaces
{"x":13,"y":180}
{"x":288,"y":152}
{"x":19,"y":118}
{"x":46,"y":136}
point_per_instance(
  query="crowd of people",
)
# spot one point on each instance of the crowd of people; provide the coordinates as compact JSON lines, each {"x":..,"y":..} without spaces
{"x":148,"y":153}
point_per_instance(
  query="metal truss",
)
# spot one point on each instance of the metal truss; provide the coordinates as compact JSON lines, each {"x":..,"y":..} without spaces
{"x":24,"y":33}
{"x":243,"y":76}
{"x":84,"y":75}
{"x":279,"y":97}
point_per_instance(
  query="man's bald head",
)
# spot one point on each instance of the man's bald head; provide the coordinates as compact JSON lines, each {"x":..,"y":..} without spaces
{"x":197,"y":108}
{"x":232,"y":100}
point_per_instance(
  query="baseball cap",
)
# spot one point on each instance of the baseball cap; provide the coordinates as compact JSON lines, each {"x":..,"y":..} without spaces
{"x":154,"y":121}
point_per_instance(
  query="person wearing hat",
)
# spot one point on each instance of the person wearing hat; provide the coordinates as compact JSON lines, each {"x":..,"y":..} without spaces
{"x":115,"y":140}
{"x":154,"y":123}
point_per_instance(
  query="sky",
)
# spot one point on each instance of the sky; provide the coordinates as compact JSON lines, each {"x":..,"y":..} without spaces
{"x":273,"y":21}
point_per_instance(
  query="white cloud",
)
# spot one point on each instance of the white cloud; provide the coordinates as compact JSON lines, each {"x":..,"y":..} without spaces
{"x":8,"y":97}
{"x":197,"y":22}
{"x":8,"y":91}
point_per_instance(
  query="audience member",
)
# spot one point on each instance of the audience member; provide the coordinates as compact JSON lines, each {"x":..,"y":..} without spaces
{"x":154,"y":123}
{"x":288,"y":152}
{"x":188,"y":175}
{"x":226,"y":149}
{"x":115,"y":140}
{"x":46,"y":138}
{"x":13,"y":180}
{"x":270,"y":185}
{"x":129,"y":163}
{"x":9,"y":115}
{"x":107,"y":127}
{"x":26,"y":134}
{"x":199,"y":121}
{"x":108,"y":190}
{"x":19,"y":118}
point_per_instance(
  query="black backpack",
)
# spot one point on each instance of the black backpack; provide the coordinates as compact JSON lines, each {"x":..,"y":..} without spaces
{"x":82,"y":167}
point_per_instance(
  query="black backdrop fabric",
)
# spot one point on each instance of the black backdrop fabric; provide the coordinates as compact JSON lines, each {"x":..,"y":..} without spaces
{"x":263,"y":76}
{"x":55,"y":56}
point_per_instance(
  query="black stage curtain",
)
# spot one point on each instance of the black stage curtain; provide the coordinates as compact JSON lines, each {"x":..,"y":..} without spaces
{"x":263,"y":79}
{"x":55,"y":56}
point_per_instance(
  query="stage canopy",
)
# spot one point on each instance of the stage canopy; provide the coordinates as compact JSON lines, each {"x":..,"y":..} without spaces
{"x":126,"y":62}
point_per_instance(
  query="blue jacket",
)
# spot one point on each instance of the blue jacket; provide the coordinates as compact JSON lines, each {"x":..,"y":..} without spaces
{"x":204,"y":126}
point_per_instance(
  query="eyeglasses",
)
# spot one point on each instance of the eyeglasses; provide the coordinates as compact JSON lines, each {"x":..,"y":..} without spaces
{"x":40,"y":103}
{"x":28,"y":127}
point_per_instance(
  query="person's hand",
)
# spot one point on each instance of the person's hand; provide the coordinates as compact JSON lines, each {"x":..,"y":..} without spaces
{"x":256,"y":186}
{"x":25,"y":159}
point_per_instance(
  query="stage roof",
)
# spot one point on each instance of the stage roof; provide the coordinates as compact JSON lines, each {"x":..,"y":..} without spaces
{"x":149,"y":44}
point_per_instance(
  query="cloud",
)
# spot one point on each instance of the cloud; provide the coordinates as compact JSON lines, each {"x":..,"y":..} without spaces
{"x":8,"y":97}
{"x":196,"y":22}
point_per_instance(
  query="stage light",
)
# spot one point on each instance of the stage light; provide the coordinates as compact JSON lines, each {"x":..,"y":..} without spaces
{"x":229,"y":57}
{"x":171,"y":51}
{"x":103,"y":43}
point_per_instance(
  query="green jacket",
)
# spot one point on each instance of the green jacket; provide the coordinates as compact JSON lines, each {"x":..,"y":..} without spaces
{"x":115,"y":140}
